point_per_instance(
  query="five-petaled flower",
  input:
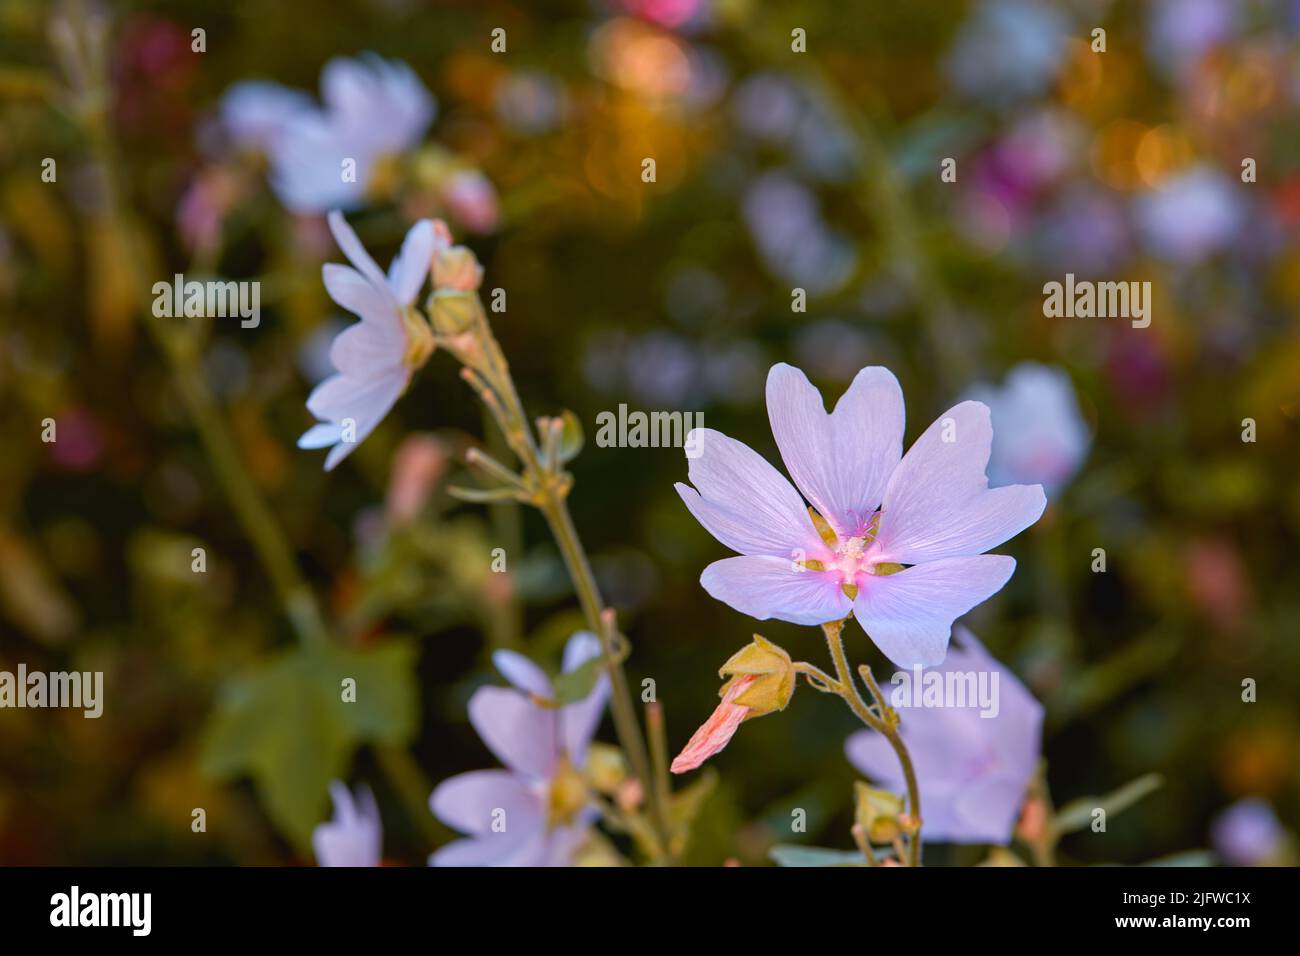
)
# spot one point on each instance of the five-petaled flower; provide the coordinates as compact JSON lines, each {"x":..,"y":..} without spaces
{"x":536,"y":811}
{"x":973,"y":770}
{"x":375,"y":357}
{"x":898,"y":541}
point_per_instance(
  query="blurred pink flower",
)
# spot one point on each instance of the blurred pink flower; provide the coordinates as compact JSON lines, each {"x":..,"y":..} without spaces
{"x":472,"y":200}
{"x":418,"y":464}
{"x":904,"y":552}
{"x":973,"y":770}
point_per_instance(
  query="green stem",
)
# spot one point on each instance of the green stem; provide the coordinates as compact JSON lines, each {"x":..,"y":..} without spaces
{"x":551,"y":486}
{"x":848,"y":690}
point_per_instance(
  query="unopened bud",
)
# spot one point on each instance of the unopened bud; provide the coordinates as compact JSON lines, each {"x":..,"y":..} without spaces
{"x":457,"y":269}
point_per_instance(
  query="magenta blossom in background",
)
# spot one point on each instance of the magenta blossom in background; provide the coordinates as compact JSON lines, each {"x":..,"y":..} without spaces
{"x":376,"y":356}
{"x":1039,"y":437}
{"x":904,"y":552}
{"x":535,"y":811}
{"x":354,"y":837}
{"x":973,"y":770}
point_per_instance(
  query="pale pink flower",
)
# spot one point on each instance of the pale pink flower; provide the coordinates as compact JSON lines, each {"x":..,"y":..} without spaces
{"x":354,"y":837}
{"x":472,"y":200}
{"x":905,"y":550}
{"x":717,"y":731}
{"x":417,"y":465}
{"x":375,"y":357}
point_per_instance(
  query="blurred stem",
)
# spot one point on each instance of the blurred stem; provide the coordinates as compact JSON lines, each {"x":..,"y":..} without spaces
{"x":296,"y":598}
{"x":654,"y":720}
{"x":550,"y":485}
{"x":505,"y":619}
{"x":91,"y":98}
{"x":412,"y":789}
{"x":886,"y":724}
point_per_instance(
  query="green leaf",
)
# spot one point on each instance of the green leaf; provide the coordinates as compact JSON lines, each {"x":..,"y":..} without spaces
{"x":787,"y":854}
{"x":576,"y":684}
{"x":1186,"y":858}
{"x":288,"y":727}
{"x":1077,"y":814}
{"x":571,"y":437}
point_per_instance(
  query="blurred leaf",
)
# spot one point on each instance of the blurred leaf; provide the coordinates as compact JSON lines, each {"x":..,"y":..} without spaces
{"x":1077,"y":814}
{"x":575,"y":685}
{"x":287,"y":726}
{"x":1186,"y":858}
{"x":785,"y":854}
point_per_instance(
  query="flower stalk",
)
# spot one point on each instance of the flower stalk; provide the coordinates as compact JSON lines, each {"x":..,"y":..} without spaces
{"x":543,"y":483}
{"x":881,"y":718}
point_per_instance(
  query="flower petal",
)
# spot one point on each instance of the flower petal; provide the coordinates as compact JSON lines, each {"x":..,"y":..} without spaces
{"x":521,"y":734}
{"x":365,"y":349}
{"x":742,"y":500}
{"x":407,"y":271}
{"x":841,"y":461}
{"x":765,"y":587}
{"x":476,"y":801}
{"x":522,"y":673}
{"x":322,"y":435}
{"x":716,"y":732}
{"x":354,"y":292}
{"x":909,"y":615}
{"x":579,"y":720}
{"x":938,"y":503}
{"x":357,"y":255}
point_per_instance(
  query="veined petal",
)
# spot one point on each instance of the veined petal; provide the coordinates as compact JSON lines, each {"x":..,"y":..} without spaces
{"x":938,"y":503}
{"x":521,"y":734}
{"x":735,"y":526}
{"x":765,"y":587}
{"x":473,"y":802}
{"x":909,"y":615}
{"x":841,"y":461}
{"x":730,"y":475}
{"x":407,"y":271}
{"x":716,"y":732}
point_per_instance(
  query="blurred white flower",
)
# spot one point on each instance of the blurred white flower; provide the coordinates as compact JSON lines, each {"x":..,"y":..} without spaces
{"x":1247,"y":834}
{"x":354,"y":837}
{"x":1009,"y":50}
{"x":1190,"y":216}
{"x":372,"y":108}
{"x":1039,"y":437}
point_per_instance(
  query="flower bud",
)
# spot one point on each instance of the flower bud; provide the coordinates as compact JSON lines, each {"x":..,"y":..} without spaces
{"x":878,"y":812}
{"x":456,"y":268}
{"x":452,"y":313}
{"x":772,"y":672}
